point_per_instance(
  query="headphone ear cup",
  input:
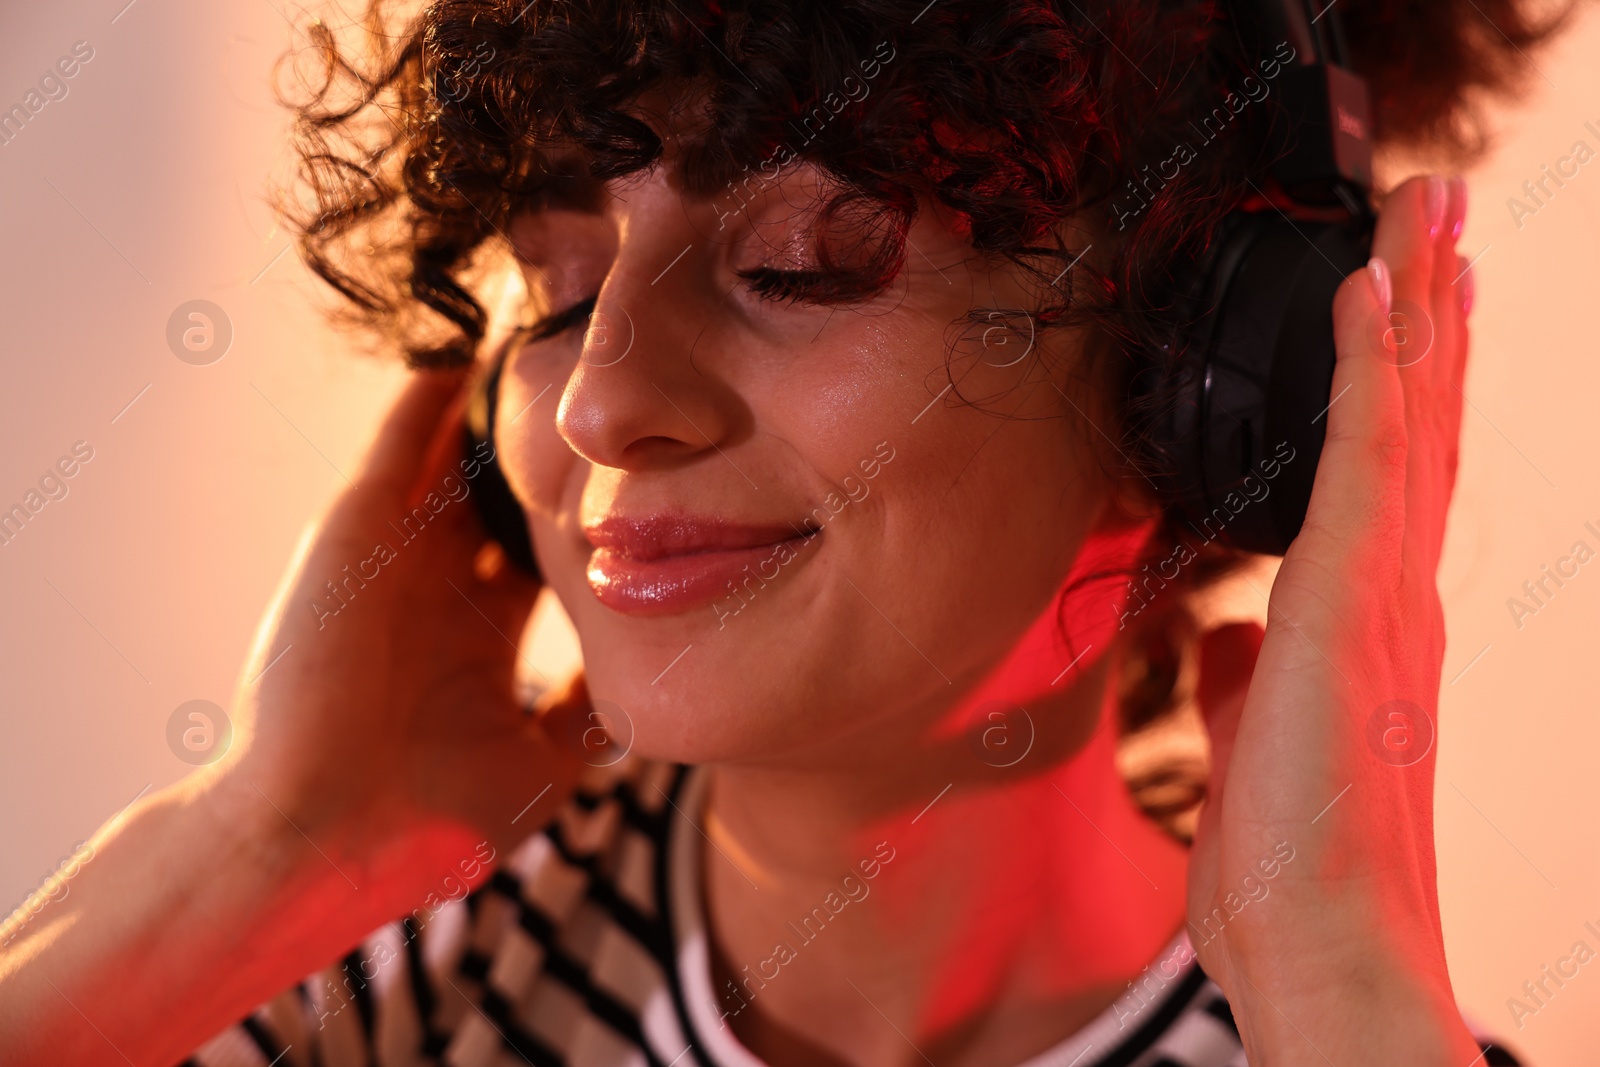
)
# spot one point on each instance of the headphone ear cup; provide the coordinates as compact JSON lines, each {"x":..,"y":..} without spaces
{"x":497,"y":505}
{"x":1248,"y":428}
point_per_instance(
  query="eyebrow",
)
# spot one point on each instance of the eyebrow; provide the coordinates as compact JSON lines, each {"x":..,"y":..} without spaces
{"x":567,"y":185}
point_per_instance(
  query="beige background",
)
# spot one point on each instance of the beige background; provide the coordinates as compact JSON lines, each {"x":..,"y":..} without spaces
{"x":142,"y":189}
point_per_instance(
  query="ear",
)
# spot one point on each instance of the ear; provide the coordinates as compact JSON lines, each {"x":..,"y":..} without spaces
{"x":1160,"y":662}
{"x":1132,"y":503}
{"x":1161,"y":749}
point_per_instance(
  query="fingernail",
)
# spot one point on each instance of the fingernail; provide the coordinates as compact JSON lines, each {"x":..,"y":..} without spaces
{"x":1435,"y":204}
{"x":1469,"y":288}
{"x":1380,"y":281}
{"x":1459,"y":199}
{"x":489,"y":562}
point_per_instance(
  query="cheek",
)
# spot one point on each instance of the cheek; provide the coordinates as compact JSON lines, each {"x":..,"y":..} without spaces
{"x":837,"y":401}
{"x":983,"y":500}
{"x":535,"y":458}
{"x":988,"y":511}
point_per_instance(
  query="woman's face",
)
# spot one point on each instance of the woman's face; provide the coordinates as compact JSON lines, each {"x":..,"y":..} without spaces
{"x":776,"y":528}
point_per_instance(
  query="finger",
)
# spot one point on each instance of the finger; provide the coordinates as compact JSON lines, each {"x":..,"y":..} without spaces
{"x":389,"y":469}
{"x":1458,"y":388}
{"x":1357,"y":509}
{"x":562,"y":712}
{"x":1452,"y":302}
{"x":1451,"y":273}
{"x":1466,"y":297}
{"x":456,"y":545}
{"x":454,"y":548}
{"x":1413,"y":237}
{"x":1449,"y":311}
{"x":1462,"y":283}
{"x":1410,"y":226}
{"x":1434,"y":404}
{"x":443,"y":452}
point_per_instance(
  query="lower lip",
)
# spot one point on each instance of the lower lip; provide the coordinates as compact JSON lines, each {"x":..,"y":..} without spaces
{"x":676,"y":584}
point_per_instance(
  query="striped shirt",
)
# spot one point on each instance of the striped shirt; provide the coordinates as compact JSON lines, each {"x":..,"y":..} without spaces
{"x":587,"y":947}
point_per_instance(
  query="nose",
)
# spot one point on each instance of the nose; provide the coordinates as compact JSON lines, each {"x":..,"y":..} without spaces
{"x":647,"y":391}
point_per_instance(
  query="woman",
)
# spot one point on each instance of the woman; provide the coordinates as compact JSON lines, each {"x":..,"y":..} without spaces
{"x":824,"y":437}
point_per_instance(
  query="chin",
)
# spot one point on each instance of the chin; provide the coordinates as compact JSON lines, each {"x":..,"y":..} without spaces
{"x":703,"y":696}
{"x":722,"y":675}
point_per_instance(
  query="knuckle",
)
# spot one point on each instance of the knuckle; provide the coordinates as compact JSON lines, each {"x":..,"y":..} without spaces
{"x":1389,"y":444}
{"x":1426,"y":422}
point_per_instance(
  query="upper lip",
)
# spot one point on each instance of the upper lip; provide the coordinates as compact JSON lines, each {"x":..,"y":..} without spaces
{"x":661,"y":536}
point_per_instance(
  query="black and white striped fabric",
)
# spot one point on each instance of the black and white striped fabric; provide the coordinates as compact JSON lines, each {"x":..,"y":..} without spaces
{"x":588,"y":948}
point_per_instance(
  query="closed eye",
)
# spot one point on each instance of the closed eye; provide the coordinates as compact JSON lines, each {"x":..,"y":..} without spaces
{"x":561,"y":321}
{"x":784,"y":286}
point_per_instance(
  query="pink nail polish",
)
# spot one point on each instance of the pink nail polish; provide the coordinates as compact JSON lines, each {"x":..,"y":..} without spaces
{"x":1460,"y":199}
{"x":1381,"y":282}
{"x":1435,"y":204}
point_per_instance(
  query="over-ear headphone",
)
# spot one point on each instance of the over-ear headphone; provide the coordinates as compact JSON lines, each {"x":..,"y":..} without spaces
{"x":497,"y":505}
{"x":1237,"y":450}
{"x":1254,"y":368}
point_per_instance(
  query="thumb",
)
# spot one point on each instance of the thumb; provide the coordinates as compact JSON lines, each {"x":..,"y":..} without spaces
{"x":566,"y":715}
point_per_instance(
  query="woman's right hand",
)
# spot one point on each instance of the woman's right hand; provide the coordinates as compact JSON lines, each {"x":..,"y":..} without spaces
{"x":376,"y":747}
{"x":377,"y":712}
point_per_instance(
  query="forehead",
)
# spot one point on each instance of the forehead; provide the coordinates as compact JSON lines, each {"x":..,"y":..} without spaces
{"x":691,"y":160}
{"x":572,"y":200}
{"x":680,"y":117}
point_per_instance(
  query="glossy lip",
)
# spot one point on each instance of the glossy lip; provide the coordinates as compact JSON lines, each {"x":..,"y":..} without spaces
{"x":669,"y":564}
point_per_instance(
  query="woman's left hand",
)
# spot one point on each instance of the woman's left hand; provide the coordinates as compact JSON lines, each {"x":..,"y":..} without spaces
{"x":1312,"y":897}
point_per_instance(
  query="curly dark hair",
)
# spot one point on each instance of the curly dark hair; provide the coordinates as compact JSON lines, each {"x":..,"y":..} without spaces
{"x":422,"y":140}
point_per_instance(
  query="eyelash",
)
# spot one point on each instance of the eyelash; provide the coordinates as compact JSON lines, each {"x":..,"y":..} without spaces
{"x":786,"y":286}
{"x":561,"y":321}
{"x":768,"y":283}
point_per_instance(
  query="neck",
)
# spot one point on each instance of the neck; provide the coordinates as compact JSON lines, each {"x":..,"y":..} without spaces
{"x":927,"y":904}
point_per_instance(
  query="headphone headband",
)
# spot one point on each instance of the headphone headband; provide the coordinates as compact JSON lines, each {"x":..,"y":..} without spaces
{"x":1323,"y":145}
